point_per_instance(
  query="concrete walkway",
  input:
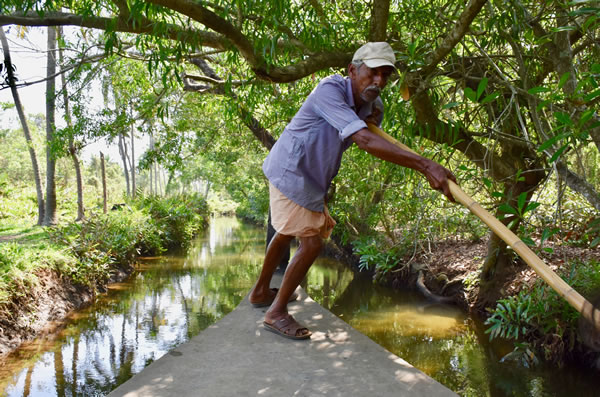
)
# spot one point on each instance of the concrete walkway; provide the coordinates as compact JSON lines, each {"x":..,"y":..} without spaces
{"x":237,"y":357}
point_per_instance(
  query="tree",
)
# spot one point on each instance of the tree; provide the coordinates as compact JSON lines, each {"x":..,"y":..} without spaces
{"x":492,"y":86}
{"x":50,"y":212}
{"x":73,"y":149}
{"x":9,"y":71}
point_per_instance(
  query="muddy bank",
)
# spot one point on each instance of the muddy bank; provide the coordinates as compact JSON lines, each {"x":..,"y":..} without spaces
{"x":451,"y":269}
{"x":40,"y":309}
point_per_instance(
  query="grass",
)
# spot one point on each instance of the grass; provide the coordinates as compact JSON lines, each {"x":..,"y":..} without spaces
{"x":23,"y":233}
{"x":20,"y":262}
{"x":88,"y":252}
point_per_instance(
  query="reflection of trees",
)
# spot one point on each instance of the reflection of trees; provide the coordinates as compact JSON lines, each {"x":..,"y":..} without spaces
{"x":74,"y":365}
{"x":121,"y":333}
{"x":59,"y":372}
{"x":326,"y":281}
{"x":27,"y":388}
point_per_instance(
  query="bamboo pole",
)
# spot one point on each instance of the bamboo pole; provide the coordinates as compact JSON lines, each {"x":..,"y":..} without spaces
{"x":582,"y":305}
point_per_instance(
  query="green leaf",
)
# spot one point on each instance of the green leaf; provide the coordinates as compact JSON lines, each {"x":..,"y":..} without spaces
{"x":543,"y":104}
{"x":592,"y":95}
{"x":521,"y":200}
{"x":563,"y":118}
{"x":548,"y":143}
{"x":490,"y":98}
{"x":470,"y":94}
{"x":595,"y":242}
{"x":512,"y":223}
{"x":507,"y":209}
{"x":450,"y":105}
{"x":556,"y":155}
{"x":481,"y":86}
{"x":586,"y":116}
{"x":589,"y":21}
{"x":563,"y":29}
{"x":528,"y":241}
{"x":563,"y":79}
{"x":537,"y":90}
{"x":583,"y":11}
{"x":531,"y":206}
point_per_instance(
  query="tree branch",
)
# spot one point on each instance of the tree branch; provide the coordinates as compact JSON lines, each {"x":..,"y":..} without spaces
{"x":379,"y":20}
{"x":579,"y":185}
{"x":173,"y":32}
{"x":261,"y":133}
{"x":453,"y":37}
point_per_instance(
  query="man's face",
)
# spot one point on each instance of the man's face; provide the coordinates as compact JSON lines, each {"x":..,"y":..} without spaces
{"x":367,"y":82}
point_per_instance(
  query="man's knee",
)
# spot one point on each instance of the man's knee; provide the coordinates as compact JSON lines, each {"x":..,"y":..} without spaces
{"x":279,"y":238}
{"x":312,"y":243}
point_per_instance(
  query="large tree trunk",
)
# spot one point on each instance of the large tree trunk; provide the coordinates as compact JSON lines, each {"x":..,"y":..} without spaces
{"x":72,"y":149}
{"x":34,"y":163}
{"x":50,"y":212}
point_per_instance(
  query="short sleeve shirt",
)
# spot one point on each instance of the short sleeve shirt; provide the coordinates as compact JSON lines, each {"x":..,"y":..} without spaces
{"x":307,"y":156}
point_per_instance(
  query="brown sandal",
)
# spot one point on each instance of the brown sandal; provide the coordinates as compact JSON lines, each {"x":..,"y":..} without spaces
{"x":287,"y":327}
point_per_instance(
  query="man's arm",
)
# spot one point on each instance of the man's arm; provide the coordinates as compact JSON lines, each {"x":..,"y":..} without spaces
{"x":377,"y":146}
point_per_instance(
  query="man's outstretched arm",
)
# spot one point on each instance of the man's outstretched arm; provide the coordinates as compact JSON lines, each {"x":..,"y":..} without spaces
{"x":377,"y":146}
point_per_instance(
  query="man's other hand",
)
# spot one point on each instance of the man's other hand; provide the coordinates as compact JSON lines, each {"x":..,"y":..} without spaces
{"x":438,"y":177}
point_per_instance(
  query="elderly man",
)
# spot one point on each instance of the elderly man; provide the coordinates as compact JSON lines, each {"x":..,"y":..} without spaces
{"x":304,"y":161}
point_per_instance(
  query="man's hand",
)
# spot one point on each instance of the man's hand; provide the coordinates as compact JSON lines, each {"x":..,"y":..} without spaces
{"x":438,"y":178}
{"x":379,"y":147}
{"x":375,"y":116}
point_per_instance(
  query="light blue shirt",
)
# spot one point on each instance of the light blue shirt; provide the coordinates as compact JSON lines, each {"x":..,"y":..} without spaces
{"x":307,"y":156}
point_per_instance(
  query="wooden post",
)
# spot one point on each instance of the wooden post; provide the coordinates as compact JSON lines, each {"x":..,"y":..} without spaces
{"x":105,"y":207}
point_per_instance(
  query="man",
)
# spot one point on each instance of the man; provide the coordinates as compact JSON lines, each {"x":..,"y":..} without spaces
{"x":304,"y":161}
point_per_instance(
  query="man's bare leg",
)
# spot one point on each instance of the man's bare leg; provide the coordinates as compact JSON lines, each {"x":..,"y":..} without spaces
{"x":275,"y":251}
{"x":307,"y":252}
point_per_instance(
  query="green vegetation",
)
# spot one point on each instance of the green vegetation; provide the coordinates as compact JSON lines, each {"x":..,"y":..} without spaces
{"x":504,"y":93}
{"x":538,"y":316}
{"x":89,"y":252}
{"x":20,"y":263}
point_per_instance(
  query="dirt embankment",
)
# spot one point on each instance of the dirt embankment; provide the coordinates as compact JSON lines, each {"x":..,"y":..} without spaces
{"x":449,"y":266}
{"x":444,"y":268}
{"x":38,"y":309}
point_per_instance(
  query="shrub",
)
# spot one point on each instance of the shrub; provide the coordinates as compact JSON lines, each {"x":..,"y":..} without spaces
{"x":178,"y":218}
{"x":101,"y":241}
{"x":543,"y":318}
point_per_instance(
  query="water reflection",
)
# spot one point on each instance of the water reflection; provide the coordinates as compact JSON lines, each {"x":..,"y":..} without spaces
{"x":440,"y":340}
{"x":170,"y":301}
{"x":175,"y":297}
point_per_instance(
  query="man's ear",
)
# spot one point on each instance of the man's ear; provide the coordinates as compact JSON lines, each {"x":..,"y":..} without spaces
{"x":351,"y":69}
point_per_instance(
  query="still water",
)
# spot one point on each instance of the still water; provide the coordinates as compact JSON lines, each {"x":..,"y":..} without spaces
{"x":173,"y":298}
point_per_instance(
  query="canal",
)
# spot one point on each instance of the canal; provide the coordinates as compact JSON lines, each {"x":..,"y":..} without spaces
{"x":174,"y":297}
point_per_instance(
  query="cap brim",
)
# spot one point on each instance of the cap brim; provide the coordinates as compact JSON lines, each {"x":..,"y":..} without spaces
{"x":375,"y":63}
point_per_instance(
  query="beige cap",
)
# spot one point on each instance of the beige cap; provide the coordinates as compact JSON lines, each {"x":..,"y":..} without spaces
{"x":375,"y":54}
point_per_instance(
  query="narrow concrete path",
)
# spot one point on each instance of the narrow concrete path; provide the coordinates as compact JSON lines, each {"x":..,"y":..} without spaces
{"x":237,"y":357}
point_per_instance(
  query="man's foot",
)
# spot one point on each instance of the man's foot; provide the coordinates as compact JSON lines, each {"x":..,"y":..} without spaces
{"x":264,"y":301}
{"x":287,"y":327}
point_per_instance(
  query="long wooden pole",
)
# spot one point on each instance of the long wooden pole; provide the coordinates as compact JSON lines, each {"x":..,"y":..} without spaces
{"x":582,"y":305}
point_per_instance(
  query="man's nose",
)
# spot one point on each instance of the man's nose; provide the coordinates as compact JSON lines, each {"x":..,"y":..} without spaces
{"x":378,"y":80}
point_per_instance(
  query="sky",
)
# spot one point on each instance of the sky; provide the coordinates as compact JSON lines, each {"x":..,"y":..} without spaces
{"x":29,"y":56}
